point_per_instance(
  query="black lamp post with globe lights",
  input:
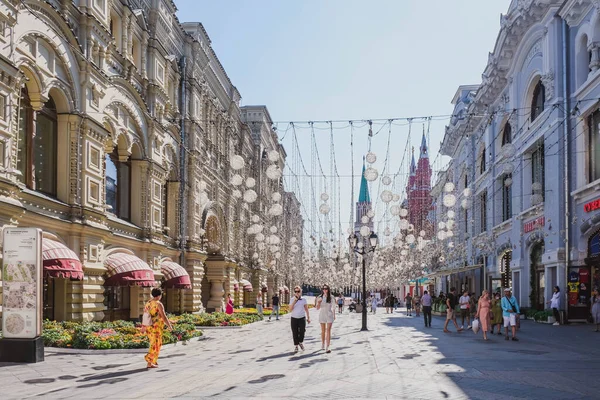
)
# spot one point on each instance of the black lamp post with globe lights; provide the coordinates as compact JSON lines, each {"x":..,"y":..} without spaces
{"x":364,"y":247}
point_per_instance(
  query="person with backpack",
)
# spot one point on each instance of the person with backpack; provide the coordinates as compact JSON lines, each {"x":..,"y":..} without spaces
{"x":154,"y":320}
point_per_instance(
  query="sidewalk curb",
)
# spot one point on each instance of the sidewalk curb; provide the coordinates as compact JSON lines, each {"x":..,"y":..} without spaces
{"x":61,"y":350}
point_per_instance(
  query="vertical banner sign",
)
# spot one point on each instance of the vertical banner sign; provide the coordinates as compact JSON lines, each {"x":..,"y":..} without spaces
{"x":22,"y":283}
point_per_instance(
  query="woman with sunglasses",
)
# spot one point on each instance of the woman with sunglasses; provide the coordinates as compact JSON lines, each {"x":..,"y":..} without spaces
{"x":298,"y":311}
{"x":326,"y":307}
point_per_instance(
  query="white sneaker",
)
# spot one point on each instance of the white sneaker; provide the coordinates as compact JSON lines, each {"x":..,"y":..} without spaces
{"x":462,"y":327}
{"x":469,"y":327}
{"x":556,"y":324}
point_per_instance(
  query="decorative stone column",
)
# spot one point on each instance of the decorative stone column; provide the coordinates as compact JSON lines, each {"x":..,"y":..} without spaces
{"x":215,"y":272}
{"x":271,"y":289}
{"x":195,"y":269}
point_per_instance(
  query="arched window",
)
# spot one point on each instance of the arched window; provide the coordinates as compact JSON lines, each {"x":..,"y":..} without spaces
{"x":507,"y":197}
{"x":538,"y":100}
{"x":118,"y":177}
{"x":507,"y":134}
{"x":37,"y":153}
{"x":583,"y":60}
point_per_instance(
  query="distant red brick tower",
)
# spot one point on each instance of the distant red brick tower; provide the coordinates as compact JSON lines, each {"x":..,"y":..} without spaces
{"x":418,"y":192}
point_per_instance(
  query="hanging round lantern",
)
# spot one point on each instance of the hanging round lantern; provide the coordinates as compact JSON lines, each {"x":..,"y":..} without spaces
{"x":422,"y":233}
{"x":449,"y":234}
{"x":294,"y":248}
{"x":324,"y":209}
{"x":395,"y":210}
{"x":404,"y":252}
{"x":441,"y":235}
{"x":273,"y":229}
{"x":386,"y":196}
{"x":508,"y":182}
{"x":364,"y":219}
{"x":396,"y":197}
{"x":237,"y":194}
{"x":250,"y":182}
{"x":365,"y":231}
{"x":259,"y":237}
{"x":262,"y":246}
{"x":236,"y":162}
{"x":450,"y":214}
{"x":508,"y":150}
{"x":465,"y":203}
{"x":370,"y":214}
{"x":403,"y":212}
{"x":449,"y":200}
{"x":467,"y":192}
{"x":276,"y":196}
{"x":441,"y":225}
{"x":411,"y":227}
{"x":449,"y":187}
{"x":386,"y":180}
{"x":255,"y":218}
{"x":371,"y":157}
{"x":536,"y":199}
{"x":442,"y":259}
{"x":276,"y":210}
{"x":273,"y":156}
{"x":450,"y":244}
{"x":536,"y":187}
{"x":507,"y":168}
{"x":410,"y":239}
{"x":273,"y":172}
{"x":450,"y":224}
{"x":324,"y":196}
{"x":403,"y":224}
{"x":371,"y":174}
{"x":250,"y":196}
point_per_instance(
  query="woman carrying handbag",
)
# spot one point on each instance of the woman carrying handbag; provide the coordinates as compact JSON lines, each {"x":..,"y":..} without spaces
{"x":483,"y":313}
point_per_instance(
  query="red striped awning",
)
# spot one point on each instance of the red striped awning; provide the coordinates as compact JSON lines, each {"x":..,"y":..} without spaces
{"x":175,"y":275}
{"x":246,"y":285}
{"x":60,"y":261}
{"x":284,"y":289}
{"x":124,"y":269}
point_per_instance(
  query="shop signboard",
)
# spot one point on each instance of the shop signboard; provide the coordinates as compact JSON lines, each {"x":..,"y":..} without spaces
{"x":579,"y":292}
{"x":22,"y":283}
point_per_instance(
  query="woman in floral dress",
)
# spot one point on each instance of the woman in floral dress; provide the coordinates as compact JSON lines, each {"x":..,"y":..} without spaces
{"x":155,"y":331}
{"x":496,"y":314}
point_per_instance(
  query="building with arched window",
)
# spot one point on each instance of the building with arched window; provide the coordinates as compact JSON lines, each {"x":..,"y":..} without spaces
{"x":116,"y":139}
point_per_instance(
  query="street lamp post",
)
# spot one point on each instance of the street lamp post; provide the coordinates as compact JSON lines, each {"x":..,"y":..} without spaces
{"x":367,"y":246}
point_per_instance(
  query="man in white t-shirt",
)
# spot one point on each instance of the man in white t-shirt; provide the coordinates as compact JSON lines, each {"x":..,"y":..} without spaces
{"x":464,"y":309}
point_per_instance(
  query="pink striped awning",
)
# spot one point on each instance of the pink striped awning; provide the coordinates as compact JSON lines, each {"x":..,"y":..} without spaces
{"x":60,"y":261}
{"x":124,"y":269}
{"x":175,"y":275}
{"x":246,"y":285}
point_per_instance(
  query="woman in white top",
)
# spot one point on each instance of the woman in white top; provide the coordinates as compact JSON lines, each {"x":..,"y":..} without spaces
{"x":555,"y":304}
{"x":259,"y":304}
{"x":298,"y":310}
{"x":326,"y":307}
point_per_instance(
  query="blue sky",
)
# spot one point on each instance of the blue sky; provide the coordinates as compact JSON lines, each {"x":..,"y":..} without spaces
{"x":350,"y":60}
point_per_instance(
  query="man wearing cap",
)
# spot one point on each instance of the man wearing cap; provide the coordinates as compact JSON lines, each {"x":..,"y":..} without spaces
{"x":510,"y":311}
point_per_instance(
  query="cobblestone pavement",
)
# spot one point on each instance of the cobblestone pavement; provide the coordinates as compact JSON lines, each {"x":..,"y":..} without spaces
{"x":397,"y":358}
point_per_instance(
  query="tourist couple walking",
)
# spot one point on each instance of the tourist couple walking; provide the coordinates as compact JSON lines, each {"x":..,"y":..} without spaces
{"x":300,"y":316}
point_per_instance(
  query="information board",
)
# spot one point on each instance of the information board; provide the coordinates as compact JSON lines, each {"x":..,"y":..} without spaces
{"x":22,"y":283}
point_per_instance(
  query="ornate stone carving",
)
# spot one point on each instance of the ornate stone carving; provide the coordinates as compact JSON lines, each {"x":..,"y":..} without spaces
{"x":548,"y":81}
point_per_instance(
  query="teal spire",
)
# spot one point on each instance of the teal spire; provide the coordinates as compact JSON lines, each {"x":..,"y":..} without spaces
{"x":363,"y":196}
{"x":413,"y":168}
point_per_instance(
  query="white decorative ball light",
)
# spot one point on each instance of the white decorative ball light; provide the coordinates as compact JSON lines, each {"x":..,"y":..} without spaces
{"x":410,"y":239}
{"x":365,"y":231}
{"x":449,"y":200}
{"x":449,"y":187}
{"x":236,"y":162}
{"x":371,"y":174}
{"x":255,"y":218}
{"x":395,"y":210}
{"x":467,"y":192}
{"x":250,"y":182}
{"x":273,"y":172}
{"x":396,"y":197}
{"x":441,"y":235}
{"x":370,"y":213}
{"x":276,"y":196}
{"x":324,"y":209}
{"x":450,"y":214}
{"x":364,"y":219}
{"x":276,"y":210}
{"x":324,"y":197}
{"x":403,"y":212}
{"x":386,"y":180}
{"x":237,"y":194}
{"x":441,"y":225}
{"x":508,"y":168}
{"x":371,"y":157}
{"x":273,"y":156}
{"x":250,"y":196}
{"x":403,"y":224}
{"x":387,"y":196}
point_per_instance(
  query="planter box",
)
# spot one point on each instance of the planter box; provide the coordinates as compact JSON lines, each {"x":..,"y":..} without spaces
{"x":550,"y":320}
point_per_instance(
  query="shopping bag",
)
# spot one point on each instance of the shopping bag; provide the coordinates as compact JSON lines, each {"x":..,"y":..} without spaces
{"x":475,"y":326}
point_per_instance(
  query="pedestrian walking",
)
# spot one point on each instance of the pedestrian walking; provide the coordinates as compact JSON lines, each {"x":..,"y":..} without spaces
{"x":417,"y":305}
{"x":595,"y":310}
{"x":464,"y":309}
{"x":229,"y":306}
{"x":555,"y":304}
{"x":156,"y":319}
{"x":510,"y":312}
{"x":426,"y":301}
{"x":374,"y":305}
{"x":300,"y":317}
{"x":496,"y":314}
{"x":408,"y":300}
{"x":259,"y":305}
{"x":340,"y":302}
{"x":326,"y":308}
{"x":483,"y":313}
{"x":275,"y":303}
{"x":450,"y":313}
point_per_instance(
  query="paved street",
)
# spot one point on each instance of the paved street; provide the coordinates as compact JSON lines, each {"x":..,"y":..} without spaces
{"x":397,"y":358}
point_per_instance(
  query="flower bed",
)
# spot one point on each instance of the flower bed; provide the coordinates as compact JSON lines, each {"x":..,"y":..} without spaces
{"x":109,"y":335}
{"x":284,"y":309}
{"x":217,"y":319}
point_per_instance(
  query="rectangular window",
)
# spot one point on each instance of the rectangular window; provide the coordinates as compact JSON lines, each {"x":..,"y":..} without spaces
{"x":25,"y":122}
{"x":507,"y":197}
{"x":483,"y":212}
{"x":594,"y":146}
{"x":3,"y":108}
{"x":45,"y":157}
{"x":2,"y":154}
{"x":538,"y":184}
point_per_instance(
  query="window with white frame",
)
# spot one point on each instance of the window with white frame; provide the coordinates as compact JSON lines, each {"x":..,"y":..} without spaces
{"x":483,"y":211}
{"x":538,"y":181}
{"x":594,"y":146}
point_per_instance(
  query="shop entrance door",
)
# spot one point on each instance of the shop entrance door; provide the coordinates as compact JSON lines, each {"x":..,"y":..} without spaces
{"x":540,"y":289}
{"x":49,"y":291}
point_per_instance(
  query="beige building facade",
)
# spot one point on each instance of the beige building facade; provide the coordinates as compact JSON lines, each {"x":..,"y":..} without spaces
{"x":118,"y":124}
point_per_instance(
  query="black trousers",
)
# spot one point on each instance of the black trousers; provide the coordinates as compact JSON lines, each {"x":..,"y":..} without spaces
{"x":556,"y":314}
{"x":427,"y":315}
{"x":298,"y":329}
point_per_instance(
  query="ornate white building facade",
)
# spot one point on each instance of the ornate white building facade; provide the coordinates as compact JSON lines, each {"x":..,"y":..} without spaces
{"x":117,"y":128}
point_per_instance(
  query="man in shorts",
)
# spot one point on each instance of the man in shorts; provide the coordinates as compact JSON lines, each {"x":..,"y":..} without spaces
{"x":450,"y":313}
{"x":510,"y":313}
{"x":464,"y":309}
